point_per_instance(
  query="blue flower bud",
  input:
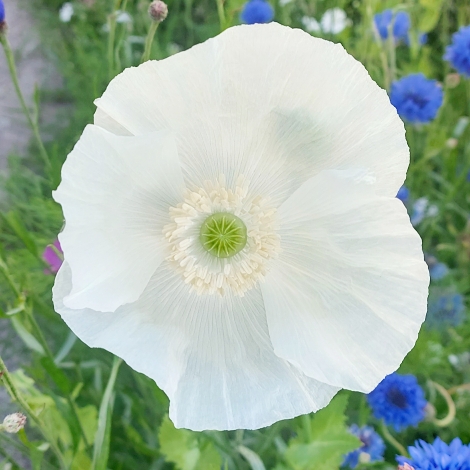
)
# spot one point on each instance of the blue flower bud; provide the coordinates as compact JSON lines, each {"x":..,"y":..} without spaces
{"x":257,"y":11}
{"x":458,"y":53}
{"x":2,"y":11}
{"x":401,"y":24}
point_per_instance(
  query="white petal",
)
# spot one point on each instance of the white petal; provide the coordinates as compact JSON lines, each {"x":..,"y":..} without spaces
{"x":347,"y":296}
{"x":211,"y":355}
{"x":115,"y":194}
{"x":266,"y":101}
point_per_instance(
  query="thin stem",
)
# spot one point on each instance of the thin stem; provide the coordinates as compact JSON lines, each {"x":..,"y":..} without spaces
{"x":393,"y":441}
{"x":31,"y":121}
{"x":307,"y":427}
{"x":450,"y":405}
{"x":392,"y":57}
{"x":149,"y":41}
{"x":457,"y":388}
{"x":16,"y":395}
{"x":383,"y":58}
{"x":112,"y":33}
{"x":221,"y":13}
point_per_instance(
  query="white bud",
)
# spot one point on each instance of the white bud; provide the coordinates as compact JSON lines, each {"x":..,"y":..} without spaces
{"x":14,"y":422}
{"x":158,"y":11}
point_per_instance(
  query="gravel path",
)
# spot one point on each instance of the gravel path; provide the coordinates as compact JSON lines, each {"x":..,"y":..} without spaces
{"x":33,"y":70}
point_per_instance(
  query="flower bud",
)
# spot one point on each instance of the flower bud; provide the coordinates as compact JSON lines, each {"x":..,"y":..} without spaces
{"x":158,"y":11}
{"x":406,"y":466}
{"x":3,"y":23}
{"x":14,"y":422}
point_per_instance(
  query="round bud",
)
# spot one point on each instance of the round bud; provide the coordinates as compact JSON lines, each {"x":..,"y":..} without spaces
{"x":158,"y":11}
{"x":14,"y":422}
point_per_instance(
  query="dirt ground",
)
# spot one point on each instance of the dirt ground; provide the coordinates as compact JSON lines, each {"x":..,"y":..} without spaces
{"x":33,"y":70}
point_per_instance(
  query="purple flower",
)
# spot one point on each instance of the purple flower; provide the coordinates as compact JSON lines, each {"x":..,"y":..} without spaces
{"x":53,"y":257}
{"x":2,"y":11}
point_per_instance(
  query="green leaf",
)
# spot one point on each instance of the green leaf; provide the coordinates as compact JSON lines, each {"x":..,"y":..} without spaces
{"x":26,"y":336}
{"x":103,"y":433}
{"x":182,"y":447}
{"x":15,"y":223}
{"x":330,"y":440}
{"x":252,"y":457}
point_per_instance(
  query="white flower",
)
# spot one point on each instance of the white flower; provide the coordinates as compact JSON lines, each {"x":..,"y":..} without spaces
{"x":66,"y":12}
{"x":232,"y":229}
{"x":310,"y":24}
{"x":334,"y":21}
{"x":123,"y":17}
{"x":14,"y":423}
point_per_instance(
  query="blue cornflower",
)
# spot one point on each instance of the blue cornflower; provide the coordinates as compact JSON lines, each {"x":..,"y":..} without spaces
{"x":398,"y":400}
{"x":403,"y":194}
{"x":401,"y":24}
{"x":458,"y":53}
{"x":437,"y":270}
{"x":446,"y":309}
{"x":373,"y":447}
{"x":2,"y":11}
{"x":416,"y":98}
{"x":421,"y":210}
{"x":257,"y":11}
{"x":438,"y":455}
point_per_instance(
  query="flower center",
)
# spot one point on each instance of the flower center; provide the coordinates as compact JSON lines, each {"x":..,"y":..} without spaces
{"x":221,"y":239}
{"x":223,"y":235}
{"x":397,"y":398}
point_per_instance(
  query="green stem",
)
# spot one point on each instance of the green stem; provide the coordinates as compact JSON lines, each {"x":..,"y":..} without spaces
{"x":450,"y":405}
{"x":112,"y":33}
{"x":31,"y":121}
{"x":392,"y":58}
{"x":221,"y":13}
{"x":16,"y":395}
{"x":49,"y":354}
{"x":149,"y":41}
{"x":393,"y":441}
{"x":383,"y":58}
{"x":307,"y":427}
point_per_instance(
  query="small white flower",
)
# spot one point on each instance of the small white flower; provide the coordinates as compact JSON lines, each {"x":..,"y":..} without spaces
{"x":66,"y":12}
{"x":310,"y":24}
{"x":334,"y":21}
{"x":14,"y":423}
{"x":283,"y":3}
{"x":232,"y":229}
{"x":123,"y":17}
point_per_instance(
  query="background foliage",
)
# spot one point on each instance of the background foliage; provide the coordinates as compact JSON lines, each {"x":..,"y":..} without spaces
{"x":96,"y":413}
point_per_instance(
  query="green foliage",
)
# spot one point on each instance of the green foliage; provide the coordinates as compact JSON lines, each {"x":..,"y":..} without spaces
{"x":186,"y":449}
{"x":324,"y":440}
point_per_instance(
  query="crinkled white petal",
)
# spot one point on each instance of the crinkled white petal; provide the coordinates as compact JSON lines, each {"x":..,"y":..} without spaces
{"x":115,"y":194}
{"x":347,"y":296}
{"x":266,"y":101}
{"x":212,"y":355}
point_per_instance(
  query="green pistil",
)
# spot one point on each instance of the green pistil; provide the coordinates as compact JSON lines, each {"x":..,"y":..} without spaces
{"x":223,"y":235}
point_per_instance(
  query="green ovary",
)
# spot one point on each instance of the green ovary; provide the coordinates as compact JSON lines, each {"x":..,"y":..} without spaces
{"x":223,"y":235}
